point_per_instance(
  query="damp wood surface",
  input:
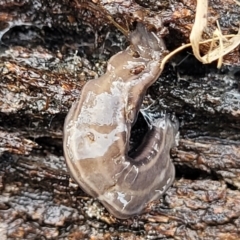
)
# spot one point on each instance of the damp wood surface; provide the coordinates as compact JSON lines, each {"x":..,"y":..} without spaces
{"x":48,"y":51}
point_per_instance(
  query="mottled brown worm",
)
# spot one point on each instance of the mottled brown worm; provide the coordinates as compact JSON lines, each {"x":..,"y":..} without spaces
{"x":98,"y":126}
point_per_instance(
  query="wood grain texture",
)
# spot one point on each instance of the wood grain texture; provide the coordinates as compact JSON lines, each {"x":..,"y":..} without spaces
{"x":41,"y":75}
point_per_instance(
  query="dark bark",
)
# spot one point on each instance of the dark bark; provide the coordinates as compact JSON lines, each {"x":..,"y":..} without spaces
{"x":41,"y":74}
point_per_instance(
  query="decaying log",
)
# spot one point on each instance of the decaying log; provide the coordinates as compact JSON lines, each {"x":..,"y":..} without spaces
{"x":39,"y":199}
{"x":48,"y":52}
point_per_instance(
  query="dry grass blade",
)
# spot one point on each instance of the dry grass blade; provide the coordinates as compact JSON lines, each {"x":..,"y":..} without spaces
{"x":198,"y":27}
{"x":220,"y":44}
{"x":171,"y":54}
{"x":223,"y":49}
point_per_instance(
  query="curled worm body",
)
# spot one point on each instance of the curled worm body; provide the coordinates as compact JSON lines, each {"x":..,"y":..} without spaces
{"x":98,"y":126}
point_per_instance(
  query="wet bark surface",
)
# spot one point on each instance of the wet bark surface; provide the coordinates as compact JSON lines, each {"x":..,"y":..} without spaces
{"x":48,"y":51}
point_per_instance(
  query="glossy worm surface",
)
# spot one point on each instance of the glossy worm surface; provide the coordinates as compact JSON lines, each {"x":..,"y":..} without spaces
{"x":98,"y":126}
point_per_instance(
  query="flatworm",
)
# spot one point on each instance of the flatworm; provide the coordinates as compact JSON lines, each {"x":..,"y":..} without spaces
{"x":98,"y":126}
